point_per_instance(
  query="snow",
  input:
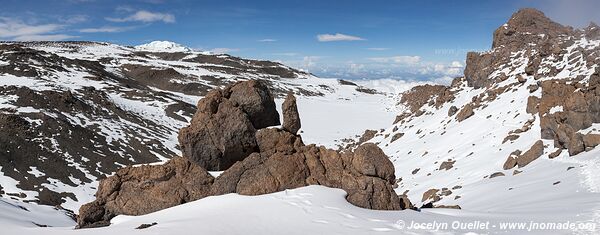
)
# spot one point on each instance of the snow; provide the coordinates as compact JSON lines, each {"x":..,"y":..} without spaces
{"x":344,"y":112}
{"x":306,"y":210}
{"x":555,"y":109}
{"x":35,"y":172}
{"x":162,"y":46}
{"x":9,"y":185}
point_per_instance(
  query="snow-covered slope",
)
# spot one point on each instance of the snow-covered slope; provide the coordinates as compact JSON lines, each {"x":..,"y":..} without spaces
{"x":456,"y":148}
{"x":162,"y":46}
{"x":307,"y":210}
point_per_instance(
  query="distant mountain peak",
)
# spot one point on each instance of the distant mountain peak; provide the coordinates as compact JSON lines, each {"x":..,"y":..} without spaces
{"x":163,"y":46}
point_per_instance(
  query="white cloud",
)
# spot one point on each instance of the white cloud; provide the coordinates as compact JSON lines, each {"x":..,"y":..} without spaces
{"x":74,"y":19}
{"x":378,"y":48}
{"x":18,"y":30}
{"x":105,"y":29}
{"x":286,"y":54}
{"x":145,"y":16}
{"x":125,"y":9}
{"x":268,"y":40}
{"x":456,"y":64}
{"x":356,"y":68}
{"x":455,"y":68}
{"x":223,"y":50}
{"x":402,"y":60}
{"x":337,"y":37}
{"x":14,"y":28}
{"x":45,"y":37}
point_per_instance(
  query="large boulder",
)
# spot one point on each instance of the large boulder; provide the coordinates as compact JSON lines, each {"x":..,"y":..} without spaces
{"x":533,"y":153}
{"x":145,"y":189}
{"x":223,"y":129}
{"x":465,"y":112}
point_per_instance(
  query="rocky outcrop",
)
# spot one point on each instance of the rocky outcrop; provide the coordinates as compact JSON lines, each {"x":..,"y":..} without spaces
{"x":418,"y":96}
{"x":223,"y":129}
{"x":579,"y":108}
{"x":146,"y":189}
{"x":525,"y":28}
{"x":291,"y":117}
{"x":277,"y":161}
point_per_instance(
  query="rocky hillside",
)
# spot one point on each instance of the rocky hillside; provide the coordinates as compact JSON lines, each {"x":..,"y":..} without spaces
{"x":518,"y":132}
{"x":73,"y":112}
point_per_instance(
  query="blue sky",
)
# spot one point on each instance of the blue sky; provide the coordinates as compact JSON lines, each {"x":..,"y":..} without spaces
{"x":349,"y":39}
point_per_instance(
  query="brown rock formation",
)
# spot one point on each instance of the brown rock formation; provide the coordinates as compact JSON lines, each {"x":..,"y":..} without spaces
{"x":277,"y":160}
{"x":418,"y":96}
{"x":291,"y":117}
{"x":145,"y":189}
{"x":580,"y":108}
{"x":284,"y":163}
{"x":524,"y":28}
{"x":465,"y":113}
{"x":222,"y":130}
{"x":533,"y":153}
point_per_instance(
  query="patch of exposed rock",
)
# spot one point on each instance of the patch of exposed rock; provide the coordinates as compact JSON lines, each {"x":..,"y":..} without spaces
{"x":418,"y":96}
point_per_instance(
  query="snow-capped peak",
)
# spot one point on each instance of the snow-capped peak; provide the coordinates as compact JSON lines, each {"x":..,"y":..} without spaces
{"x":163,"y":46}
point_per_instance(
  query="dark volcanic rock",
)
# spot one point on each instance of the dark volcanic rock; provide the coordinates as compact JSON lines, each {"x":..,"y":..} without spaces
{"x":145,"y":189}
{"x":223,"y":129}
{"x":291,"y":117}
